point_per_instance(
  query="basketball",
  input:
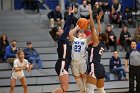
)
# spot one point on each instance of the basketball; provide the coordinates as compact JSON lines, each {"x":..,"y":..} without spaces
{"x":83,"y":23}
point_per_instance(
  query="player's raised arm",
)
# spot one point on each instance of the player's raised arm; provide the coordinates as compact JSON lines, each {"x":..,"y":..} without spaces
{"x":98,"y":21}
{"x":93,"y":31}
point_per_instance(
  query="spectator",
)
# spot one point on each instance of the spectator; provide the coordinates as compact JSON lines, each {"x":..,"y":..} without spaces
{"x":104,"y":6}
{"x":83,"y":10}
{"x":30,"y":5}
{"x":133,"y":59}
{"x":112,"y":39}
{"x":92,"y":3}
{"x":11,"y":52}
{"x":115,"y":66}
{"x":137,"y":34}
{"x":96,"y":10}
{"x":55,"y":17}
{"x":114,"y":16}
{"x":3,"y":44}
{"x":127,"y":16}
{"x":32,"y":55}
{"x":125,"y":38}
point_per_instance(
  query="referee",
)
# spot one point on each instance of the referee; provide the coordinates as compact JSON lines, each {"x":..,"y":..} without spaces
{"x":134,"y":67}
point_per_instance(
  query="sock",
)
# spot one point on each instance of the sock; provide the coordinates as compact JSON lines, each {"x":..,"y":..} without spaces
{"x":80,"y":84}
{"x":101,"y":90}
{"x":90,"y":88}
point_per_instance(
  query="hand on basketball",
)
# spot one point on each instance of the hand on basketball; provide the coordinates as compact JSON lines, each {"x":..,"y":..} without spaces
{"x":100,"y":15}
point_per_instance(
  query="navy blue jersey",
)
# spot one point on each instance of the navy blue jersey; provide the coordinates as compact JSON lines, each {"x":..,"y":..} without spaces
{"x":64,"y":41}
{"x":95,"y":53}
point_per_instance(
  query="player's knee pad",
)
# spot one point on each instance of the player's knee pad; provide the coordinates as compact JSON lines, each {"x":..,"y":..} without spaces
{"x":90,"y":88}
{"x":101,"y":90}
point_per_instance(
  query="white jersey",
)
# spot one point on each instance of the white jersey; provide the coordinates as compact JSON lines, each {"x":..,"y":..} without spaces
{"x":79,"y":49}
{"x":17,"y":63}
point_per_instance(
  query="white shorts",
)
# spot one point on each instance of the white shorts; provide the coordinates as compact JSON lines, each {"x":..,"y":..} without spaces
{"x":17,"y":76}
{"x":78,"y":67}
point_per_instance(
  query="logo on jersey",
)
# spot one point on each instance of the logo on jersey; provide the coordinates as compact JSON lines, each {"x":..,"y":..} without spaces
{"x":78,"y":45}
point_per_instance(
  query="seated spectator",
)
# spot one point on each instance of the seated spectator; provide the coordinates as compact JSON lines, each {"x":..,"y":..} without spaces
{"x":30,"y":5}
{"x":114,"y":16}
{"x":55,"y":17}
{"x":115,"y":66}
{"x":125,"y":38}
{"x":127,"y":16}
{"x":83,"y":10}
{"x":104,"y":6}
{"x":3,"y":44}
{"x":137,"y":34}
{"x":32,"y":55}
{"x":11,"y":52}
{"x":96,"y":10}
{"x":112,"y":39}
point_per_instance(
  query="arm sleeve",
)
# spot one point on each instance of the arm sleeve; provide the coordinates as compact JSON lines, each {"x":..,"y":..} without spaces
{"x":111,"y":64}
{"x":67,"y":27}
{"x":129,"y":34}
{"x":127,"y":55}
{"x":50,"y":14}
{"x":120,"y":62}
{"x":27,"y":54}
{"x":8,"y":52}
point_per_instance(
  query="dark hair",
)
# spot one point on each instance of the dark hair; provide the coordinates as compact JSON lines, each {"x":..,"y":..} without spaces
{"x":13,"y":41}
{"x":5,"y":36}
{"x":103,"y":36}
{"x":133,"y":41}
{"x":124,"y":27}
{"x":29,"y":42}
{"x":53,"y":33}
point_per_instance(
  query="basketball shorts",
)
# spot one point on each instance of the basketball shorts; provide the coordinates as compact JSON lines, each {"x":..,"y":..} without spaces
{"x":17,"y":76}
{"x":78,"y":67}
{"x":61,"y":66}
{"x":99,"y":70}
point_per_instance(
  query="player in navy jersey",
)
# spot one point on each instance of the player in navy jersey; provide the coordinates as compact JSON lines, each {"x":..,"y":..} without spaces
{"x":78,"y":64}
{"x":64,"y":52}
{"x":95,"y":71}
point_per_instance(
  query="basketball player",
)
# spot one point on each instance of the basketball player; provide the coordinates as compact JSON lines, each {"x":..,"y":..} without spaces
{"x":95,"y":71}
{"x":78,"y":63}
{"x":19,"y":65}
{"x":64,"y":53}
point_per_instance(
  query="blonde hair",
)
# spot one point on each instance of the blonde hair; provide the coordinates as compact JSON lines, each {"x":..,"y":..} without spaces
{"x":20,"y":51}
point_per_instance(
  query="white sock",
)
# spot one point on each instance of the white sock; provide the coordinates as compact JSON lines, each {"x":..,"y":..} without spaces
{"x":101,"y":90}
{"x":80,"y":84}
{"x":90,"y":88}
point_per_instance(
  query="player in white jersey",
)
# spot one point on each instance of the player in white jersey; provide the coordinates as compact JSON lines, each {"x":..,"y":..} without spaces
{"x":19,"y":65}
{"x":78,"y":63}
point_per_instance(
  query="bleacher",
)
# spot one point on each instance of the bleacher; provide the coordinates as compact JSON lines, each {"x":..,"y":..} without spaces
{"x":20,"y":26}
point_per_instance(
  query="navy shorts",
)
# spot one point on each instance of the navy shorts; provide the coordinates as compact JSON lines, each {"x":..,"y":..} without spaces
{"x":98,"y":69}
{"x":59,"y":64}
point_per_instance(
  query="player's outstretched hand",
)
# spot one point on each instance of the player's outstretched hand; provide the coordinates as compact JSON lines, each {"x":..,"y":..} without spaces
{"x":100,"y":15}
{"x":71,"y":9}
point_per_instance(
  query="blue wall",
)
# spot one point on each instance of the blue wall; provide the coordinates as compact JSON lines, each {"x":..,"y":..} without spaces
{"x":53,"y":3}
